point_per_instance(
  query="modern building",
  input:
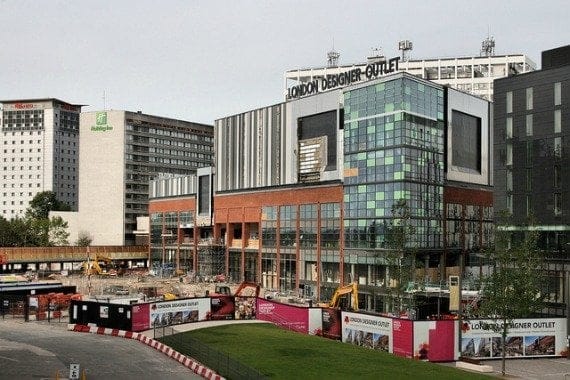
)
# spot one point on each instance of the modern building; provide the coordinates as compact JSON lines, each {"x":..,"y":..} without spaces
{"x":472,"y":74}
{"x":532,"y":150}
{"x":39,"y":151}
{"x":305,"y":190}
{"x":121,"y":152}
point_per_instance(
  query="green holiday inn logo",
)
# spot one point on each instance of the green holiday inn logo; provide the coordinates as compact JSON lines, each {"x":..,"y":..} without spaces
{"x":101,"y":123}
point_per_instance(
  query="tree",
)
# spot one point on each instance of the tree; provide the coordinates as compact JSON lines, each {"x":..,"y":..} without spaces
{"x":400,"y":259}
{"x":57,"y":232}
{"x":513,"y":288}
{"x":43,"y":203}
{"x":84,"y":239}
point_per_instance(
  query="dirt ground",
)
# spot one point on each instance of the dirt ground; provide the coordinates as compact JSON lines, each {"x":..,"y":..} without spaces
{"x":137,"y":284}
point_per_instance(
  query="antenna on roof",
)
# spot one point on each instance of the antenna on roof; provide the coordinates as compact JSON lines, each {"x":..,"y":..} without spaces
{"x":376,"y":55}
{"x":488,"y":45}
{"x":405,"y":46}
{"x":332,"y":57}
{"x":104,"y":101}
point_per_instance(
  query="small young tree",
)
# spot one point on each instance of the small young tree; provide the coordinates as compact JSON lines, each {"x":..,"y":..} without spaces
{"x":513,"y":288}
{"x":84,"y":239}
{"x":400,"y":258}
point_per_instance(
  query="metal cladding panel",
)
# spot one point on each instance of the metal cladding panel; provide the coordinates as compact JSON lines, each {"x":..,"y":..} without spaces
{"x":470,"y":107}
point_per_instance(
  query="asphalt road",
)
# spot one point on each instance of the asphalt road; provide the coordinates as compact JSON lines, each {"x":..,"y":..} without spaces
{"x":37,"y":350}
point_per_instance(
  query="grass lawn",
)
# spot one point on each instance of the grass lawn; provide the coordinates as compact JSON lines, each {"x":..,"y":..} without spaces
{"x":282,"y":354}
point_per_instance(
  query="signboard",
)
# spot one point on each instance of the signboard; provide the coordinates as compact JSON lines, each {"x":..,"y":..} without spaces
{"x":345,"y":78}
{"x":287,"y":316}
{"x":101,"y":123}
{"x":140,"y":317}
{"x":435,"y":340}
{"x":74,"y":371}
{"x":527,"y":338}
{"x":367,"y":331}
{"x":222,"y":307}
{"x":403,"y":337}
{"x":179,"y":311}
{"x":331,"y":323}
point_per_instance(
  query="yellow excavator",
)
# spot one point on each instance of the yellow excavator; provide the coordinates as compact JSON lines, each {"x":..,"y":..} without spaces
{"x":351,"y":289}
{"x":94,"y":266}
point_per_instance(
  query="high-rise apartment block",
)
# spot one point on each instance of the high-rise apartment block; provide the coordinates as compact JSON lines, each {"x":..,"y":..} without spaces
{"x":120,"y":152}
{"x":39,"y":151}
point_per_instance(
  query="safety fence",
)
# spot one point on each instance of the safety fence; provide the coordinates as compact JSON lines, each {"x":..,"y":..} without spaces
{"x":210,"y":357}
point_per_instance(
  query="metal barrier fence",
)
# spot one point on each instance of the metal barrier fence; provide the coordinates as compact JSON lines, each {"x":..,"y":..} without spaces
{"x":218,"y":361}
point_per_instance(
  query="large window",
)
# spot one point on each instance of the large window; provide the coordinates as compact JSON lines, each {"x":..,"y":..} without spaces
{"x":529,"y":98}
{"x":204,"y":191}
{"x":466,"y":141}
{"x":323,"y":124}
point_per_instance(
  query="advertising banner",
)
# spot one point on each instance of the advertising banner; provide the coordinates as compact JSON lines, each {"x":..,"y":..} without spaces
{"x":179,"y":311}
{"x":287,"y":316}
{"x":435,"y":340}
{"x":403,"y":337}
{"x":367,"y":331}
{"x":527,"y":338}
{"x":315,"y":321}
{"x":245,"y":307}
{"x":222,"y":307}
{"x":140,"y":317}
{"x":331,"y":323}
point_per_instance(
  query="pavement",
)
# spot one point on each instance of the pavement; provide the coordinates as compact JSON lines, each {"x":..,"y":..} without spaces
{"x":41,"y":350}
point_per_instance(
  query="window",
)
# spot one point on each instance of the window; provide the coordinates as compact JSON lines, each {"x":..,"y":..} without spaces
{"x":509,"y":127}
{"x":509,"y":154}
{"x":529,"y":101}
{"x":557,"y":176}
{"x":529,"y":151}
{"x":509,"y":102}
{"x":528,"y":205}
{"x":528,"y":179}
{"x":557,"y":93}
{"x":557,"y":121}
{"x":558,"y":147}
{"x":509,"y":180}
{"x":529,"y":125}
{"x":557,"y":204}
{"x":466,"y":140}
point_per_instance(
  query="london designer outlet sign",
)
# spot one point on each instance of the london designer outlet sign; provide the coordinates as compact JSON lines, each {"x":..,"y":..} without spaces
{"x":101,"y":123}
{"x":332,"y":81}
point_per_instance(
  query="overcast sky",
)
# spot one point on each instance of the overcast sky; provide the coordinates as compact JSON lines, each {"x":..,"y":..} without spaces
{"x":202,"y":60}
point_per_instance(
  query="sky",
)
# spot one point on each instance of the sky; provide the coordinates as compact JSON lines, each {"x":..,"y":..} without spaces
{"x":204,"y":60}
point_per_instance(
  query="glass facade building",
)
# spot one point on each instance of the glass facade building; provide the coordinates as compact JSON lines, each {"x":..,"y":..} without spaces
{"x":393,"y":150}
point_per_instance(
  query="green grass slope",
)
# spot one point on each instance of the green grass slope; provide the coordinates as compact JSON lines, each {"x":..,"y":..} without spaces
{"x":282,"y":354}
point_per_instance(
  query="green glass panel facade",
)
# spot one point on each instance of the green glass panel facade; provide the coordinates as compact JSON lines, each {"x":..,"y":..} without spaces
{"x":394,"y":138}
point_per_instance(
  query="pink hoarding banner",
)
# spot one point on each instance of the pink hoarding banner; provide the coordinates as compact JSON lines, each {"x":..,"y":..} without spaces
{"x":140,"y":317}
{"x":403,"y":337}
{"x":435,"y":340}
{"x":287,"y":316}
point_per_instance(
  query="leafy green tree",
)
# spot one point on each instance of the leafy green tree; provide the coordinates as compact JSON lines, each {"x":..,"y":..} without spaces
{"x":43,"y":203}
{"x":400,"y":257}
{"x":513,"y":288}
{"x":6,"y":237}
{"x":84,"y":239}
{"x":57,"y":232}
{"x":21,"y":233}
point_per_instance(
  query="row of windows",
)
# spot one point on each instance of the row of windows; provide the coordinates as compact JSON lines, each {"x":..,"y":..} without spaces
{"x":188,"y":135}
{"x":529,"y":98}
{"x":529,"y":124}
{"x":23,"y":133}
{"x":21,"y":142}
{"x":556,"y":204}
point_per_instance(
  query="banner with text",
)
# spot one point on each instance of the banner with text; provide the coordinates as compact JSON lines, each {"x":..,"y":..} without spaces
{"x":527,"y":338}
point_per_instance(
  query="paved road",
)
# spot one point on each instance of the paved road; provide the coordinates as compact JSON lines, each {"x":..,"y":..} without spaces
{"x":534,"y":369}
{"x":37,"y":350}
